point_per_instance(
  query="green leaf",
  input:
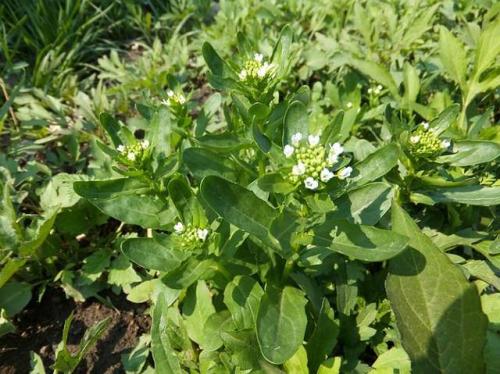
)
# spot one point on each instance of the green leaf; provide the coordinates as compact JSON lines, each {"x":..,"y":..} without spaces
{"x":9,"y":269}
{"x":166,"y":360}
{"x":14,"y":296}
{"x":112,"y":127}
{"x":122,"y":273}
{"x":128,"y":200}
{"x":274,"y":182}
{"x":189,"y":272}
{"x":330,"y":366}
{"x":471,"y":152}
{"x":488,"y":47}
{"x":153,"y":253}
{"x":216,"y":64}
{"x":471,"y":195}
{"x":242,"y":297}
{"x":133,"y":362}
{"x":297,"y":364}
{"x":202,"y":163}
{"x":445,"y":119}
{"x":376,"y":72}
{"x":365,"y":243}
{"x":36,"y":364}
{"x":437,"y":311}
{"x":395,"y":359}
{"x":324,"y":337}
{"x":238,"y":206}
{"x":6,"y":326}
{"x":281,"y":323}
{"x":375,"y":165}
{"x":365,"y":205}
{"x":411,"y":82}
{"x":453,"y":56}
{"x":197,"y":308}
{"x":296,"y":121}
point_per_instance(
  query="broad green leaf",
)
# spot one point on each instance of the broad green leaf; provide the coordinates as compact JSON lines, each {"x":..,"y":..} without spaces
{"x":376,"y":72}
{"x":166,"y":360}
{"x":14,"y":296}
{"x":182,"y":196}
{"x":297,"y":364}
{"x":242,"y":297}
{"x":9,"y":269}
{"x":6,"y":326}
{"x":36,"y":364}
{"x":296,"y":121}
{"x":274,"y":182}
{"x":238,"y":206}
{"x":189,"y":272}
{"x":159,"y":132}
{"x":365,"y":205}
{"x":445,"y":119}
{"x":453,"y":56}
{"x":395,"y":359}
{"x":488,"y":47}
{"x":330,"y":366}
{"x":42,"y":232}
{"x":411,"y":82}
{"x":127,"y":200}
{"x":375,"y":165}
{"x":471,"y":195}
{"x":153,"y":253}
{"x":281,"y":323}
{"x":361,"y":242}
{"x":133,"y":362}
{"x":196,"y":309}
{"x":324,"y":337}
{"x":471,"y":152}
{"x":437,"y":311}
{"x":202,"y":163}
{"x":112,"y":127}
{"x":216,"y":64}
{"x":225,"y":142}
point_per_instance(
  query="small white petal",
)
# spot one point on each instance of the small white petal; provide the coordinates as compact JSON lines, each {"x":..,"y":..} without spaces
{"x":332,"y":158}
{"x":165,"y":102}
{"x":336,"y":148}
{"x":379,"y":87}
{"x":445,"y":144}
{"x":345,"y":173}
{"x":243,"y":75}
{"x":313,"y":140}
{"x":179,"y":227}
{"x":131,"y":156}
{"x":170,"y":93}
{"x":202,"y":234}
{"x":258,"y":57}
{"x":296,"y":138}
{"x":145,"y":144}
{"x":326,"y":175}
{"x":121,"y":148}
{"x":311,"y":183}
{"x":288,"y":150}
{"x":415,"y":139}
{"x":370,"y":90}
{"x":425,"y":125}
{"x":299,"y":169}
{"x":262,"y":72}
{"x":181,"y":99}
{"x":349,"y":104}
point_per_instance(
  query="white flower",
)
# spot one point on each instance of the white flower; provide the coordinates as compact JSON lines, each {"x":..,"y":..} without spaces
{"x":379,"y":87}
{"x":202,"y":234}
{"x":370,"y":90}
{"x":345,"y":173}
{"x":179,"y":227}
{"x":145,"y":144}
{"x":313,"y":140}
{"x":262,"y":71}
{"x":299,"y":169}
{"x":326,"y":175}
{"x":311,"y":183}
{"x":445,"y":144}
{"x":258,"y":57}
{"x":296,"y":138}
{"x":131,"y":156}
{"x":336,"y":148}
{"x":415,"y":139}
{"x":349,"y":105}
{"x":170,"y":93}
{"x":425,"y":125}
{"x":121,"y":148}
{"x":243,"y":75}
{"x":165,"y":102}
{"x":288,"y":150}
{"x":181,"y":99}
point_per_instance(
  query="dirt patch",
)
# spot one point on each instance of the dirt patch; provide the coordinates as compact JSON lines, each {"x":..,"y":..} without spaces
{"x":39,"y":329}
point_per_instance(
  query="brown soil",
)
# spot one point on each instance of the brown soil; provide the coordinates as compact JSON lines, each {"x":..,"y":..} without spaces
{"x":39,"y":329}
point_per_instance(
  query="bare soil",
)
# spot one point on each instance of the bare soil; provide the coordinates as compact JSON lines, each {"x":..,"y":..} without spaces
{"x":40,"y":325}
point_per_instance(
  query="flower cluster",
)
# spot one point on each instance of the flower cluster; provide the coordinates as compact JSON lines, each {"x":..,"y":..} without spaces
{"x":189,"y":235}
{"x":174,"y":99}
{"x":256,"y":69}
{"x":375,"y":90}
{"x":424,"y":142}
{"x":314,"y":162}
{"x":133,"y":152}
